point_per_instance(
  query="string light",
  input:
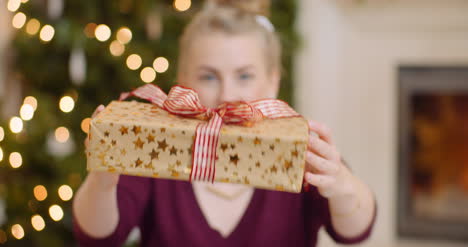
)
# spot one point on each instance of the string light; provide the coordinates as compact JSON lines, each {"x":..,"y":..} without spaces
{"x":102,"y":32}
{"x":30,"y":100}
{"x":65,"y":192}
{"x":56,"y":212}
{"x":16,"y":160}
{"x":85,"y":125}
{"x":116,"y":48}
{"x":24,"y":1}
{"x":2,"y":134}
{"x":148,"y":74}
{"x":32,"y":27}
{"x":1,"y":154}
{"x":17,"y":231}
{"x":124,"y":35}
{"x":182,"y":5}
{"x":66,"y":104}
{"x":160,"y":64}
{"x":26,"y":112}
{"x":47,"y":33}
{"x":90,"y":29}
{"x":18,"y":21}
{"x":134,"y":61}
{"x":37,"y":223}
{"x":16,"y":124}
{"x":62,"y":134}
{"x":40,"y":192}
{"x":13,"y":5}
{"x":3,"y":237}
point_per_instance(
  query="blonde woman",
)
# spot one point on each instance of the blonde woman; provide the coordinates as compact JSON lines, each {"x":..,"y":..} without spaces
{"x":228,"y":52}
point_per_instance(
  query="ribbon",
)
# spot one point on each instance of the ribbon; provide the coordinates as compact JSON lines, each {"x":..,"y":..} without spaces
{"x":184,"y":102}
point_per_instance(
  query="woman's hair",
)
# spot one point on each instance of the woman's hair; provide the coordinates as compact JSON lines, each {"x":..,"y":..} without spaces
{"x":234,"y":17}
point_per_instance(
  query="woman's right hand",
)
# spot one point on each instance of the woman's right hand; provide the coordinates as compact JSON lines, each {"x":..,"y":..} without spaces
{"x":104,"y":180}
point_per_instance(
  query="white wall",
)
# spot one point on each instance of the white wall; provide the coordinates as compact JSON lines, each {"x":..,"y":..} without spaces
{"x":346,"y":77}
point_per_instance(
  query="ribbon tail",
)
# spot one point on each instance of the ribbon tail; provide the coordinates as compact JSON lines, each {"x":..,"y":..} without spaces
{"x":150,"y":92}
{"x":204,"y":149}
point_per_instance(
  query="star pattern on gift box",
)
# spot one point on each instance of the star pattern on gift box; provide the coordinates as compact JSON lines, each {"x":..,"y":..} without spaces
{"x":287,"y":164}
{"x":123,"y":130}
{"x":173,"y":151}
{"x":136,"y":129}
{"x":150,"y":138}
{"x":162,"y":145}
{"x":273,"y":169}
{"x":239,"y":139}
{"x":224,"y":146}
{"x":106,"y":133}
{"x":113,"y":142}
{"x":234,"y":159}
{"x":257,"y":141}
{"x":154,"y":154}
{"x":272,"y":147}
{"x":295,"y":153}
{"x":138,"y":162}
{"x":139,"y":143}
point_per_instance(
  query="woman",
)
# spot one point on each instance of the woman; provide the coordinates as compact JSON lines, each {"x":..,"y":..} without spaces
{"x":228,"y":52}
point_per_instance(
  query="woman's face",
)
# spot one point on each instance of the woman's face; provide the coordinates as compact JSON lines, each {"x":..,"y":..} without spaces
{"x":224,"y":67}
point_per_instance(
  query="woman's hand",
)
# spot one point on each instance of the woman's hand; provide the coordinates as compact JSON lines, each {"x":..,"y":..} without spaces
{"x":324,"y":166}
{"x":105,"y":180}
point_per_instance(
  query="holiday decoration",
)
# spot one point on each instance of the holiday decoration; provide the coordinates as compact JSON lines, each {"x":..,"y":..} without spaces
{"x":260,"y":143}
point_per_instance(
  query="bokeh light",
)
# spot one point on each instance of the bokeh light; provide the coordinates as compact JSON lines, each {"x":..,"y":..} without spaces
{"x":62,"y":134}
{"x":148,"y":74}
{"x":40,"y":193}
{"x":18,"y":20}
{"x":47,"y":33}
{"x":17,"y":231}
{"x":2,"y":134}
{"x":65,"y":192}
{"x":16,"y":160}
{"x":85,"y":125}
{"x":13,"y":5}
{"x":38,"y":222}
{"x":134,"y":61}
{"x":182,"y":5}
{"x":16,"y":124}
{"x":30,"y":100}
{"x":56,"y":212}
{"x":102,"y":32}
{"x":124,"y":35}
{"x":32,"y":27}
{"x":26,"y":112}
{"x":66,"y":104}
{"x":161,"y":64}
{"x":116,"y":48}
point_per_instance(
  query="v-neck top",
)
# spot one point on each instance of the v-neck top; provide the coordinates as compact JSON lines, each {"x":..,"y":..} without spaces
{"x":168,"y":214}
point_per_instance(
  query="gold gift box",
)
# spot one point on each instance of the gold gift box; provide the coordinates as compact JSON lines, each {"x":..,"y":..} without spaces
{"x":129,"y":137}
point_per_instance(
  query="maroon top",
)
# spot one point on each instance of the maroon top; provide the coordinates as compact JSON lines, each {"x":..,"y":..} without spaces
{"x":167,"y":213}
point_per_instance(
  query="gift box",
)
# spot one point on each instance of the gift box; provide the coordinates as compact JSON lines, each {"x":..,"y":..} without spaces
{"x":145,"y":139}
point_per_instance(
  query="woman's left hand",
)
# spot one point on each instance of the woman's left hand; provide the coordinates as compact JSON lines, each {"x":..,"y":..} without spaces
{"x":324,"y":166}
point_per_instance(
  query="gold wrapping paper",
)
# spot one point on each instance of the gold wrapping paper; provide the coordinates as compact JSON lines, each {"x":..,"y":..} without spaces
{"x":141,"y":139}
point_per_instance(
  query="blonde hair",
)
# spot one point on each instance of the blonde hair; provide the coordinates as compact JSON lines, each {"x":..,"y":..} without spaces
{"x":234,"y":17}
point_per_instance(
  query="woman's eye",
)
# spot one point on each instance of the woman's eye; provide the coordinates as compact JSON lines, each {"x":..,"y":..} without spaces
{"x":246,"y":76}
{"x":207,"y":77}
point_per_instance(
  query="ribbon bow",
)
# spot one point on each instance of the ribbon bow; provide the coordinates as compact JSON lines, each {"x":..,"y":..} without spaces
{"x":184,"y":102}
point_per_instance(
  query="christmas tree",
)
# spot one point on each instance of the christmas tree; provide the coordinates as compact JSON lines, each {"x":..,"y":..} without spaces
{"x":68,"y":57}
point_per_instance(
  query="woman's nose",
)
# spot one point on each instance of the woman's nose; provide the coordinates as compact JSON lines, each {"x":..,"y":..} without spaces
{"x":228,"y":93}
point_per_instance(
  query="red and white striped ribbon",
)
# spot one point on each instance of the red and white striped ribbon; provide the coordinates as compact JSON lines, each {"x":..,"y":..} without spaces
{"x":184,"y":101}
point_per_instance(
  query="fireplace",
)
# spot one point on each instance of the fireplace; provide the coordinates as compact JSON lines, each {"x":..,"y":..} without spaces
{"x":433,"y":152}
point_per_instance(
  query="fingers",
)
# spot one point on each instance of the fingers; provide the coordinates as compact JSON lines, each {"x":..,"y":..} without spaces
{"x":318,"y":180}
{"x":320,"y":165}
{"x":322,"y":130}
{"x":98,"y":110}
{"x":323,"y":148}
